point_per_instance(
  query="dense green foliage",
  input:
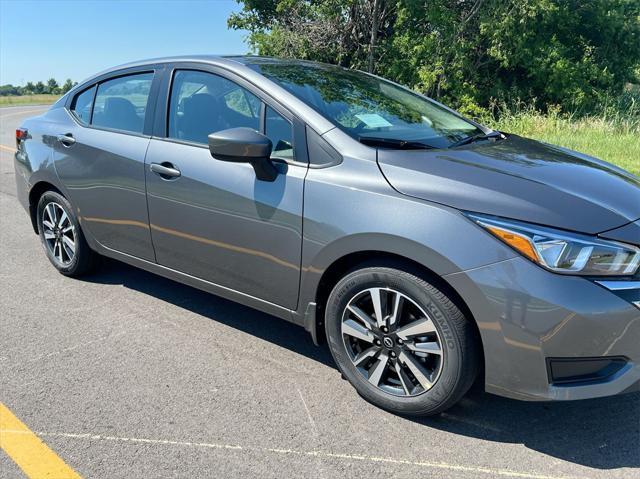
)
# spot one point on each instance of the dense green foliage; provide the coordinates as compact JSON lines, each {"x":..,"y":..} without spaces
{"x":472,"y":54}
{"x":50,"y":88}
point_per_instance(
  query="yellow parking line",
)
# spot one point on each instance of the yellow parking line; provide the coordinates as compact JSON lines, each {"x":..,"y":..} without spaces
{"x":32,"y":455}
{"x":7,"y":148}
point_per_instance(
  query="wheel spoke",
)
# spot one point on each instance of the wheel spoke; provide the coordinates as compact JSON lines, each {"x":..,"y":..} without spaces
{"x":362,"y":316}
{"x":47,"y":224}
{"x":69,"y":243}
{"x":51,"y":213}
{"x":417,"y":370}
{"x":397,"y":309}
{"x":416,"y":328}
{"x":364,"y":355}
{"x":67,"y":229}
{"x":404,"y":379}
{"x":431,"y":347}
{"x":58,"y":245}
{"x":375,"y":375}
{"x":63,"y":218}
{"x":69,"y":246}
{"x":351,"y":328}
{"x":48,"y":234}
{"x":376,"y":299}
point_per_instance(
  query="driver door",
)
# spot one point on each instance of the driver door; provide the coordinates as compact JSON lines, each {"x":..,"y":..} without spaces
{"x":214,"y":219}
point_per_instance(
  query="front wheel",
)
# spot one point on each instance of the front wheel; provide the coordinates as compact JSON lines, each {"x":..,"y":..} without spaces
{"x":61,"y":236}
{"x":401,"y":342}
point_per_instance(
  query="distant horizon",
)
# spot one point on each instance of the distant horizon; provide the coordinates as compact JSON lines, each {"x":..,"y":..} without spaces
{"x":62,"y":80}
{"x":128,"y":32}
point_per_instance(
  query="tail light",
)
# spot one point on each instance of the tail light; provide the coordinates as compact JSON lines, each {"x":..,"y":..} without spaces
{"x":21,"y":134}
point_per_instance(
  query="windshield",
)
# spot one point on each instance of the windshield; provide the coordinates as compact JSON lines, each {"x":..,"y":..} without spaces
{"x":369,"y":109}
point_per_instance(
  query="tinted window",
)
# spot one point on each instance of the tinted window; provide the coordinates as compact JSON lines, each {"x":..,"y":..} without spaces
{"x":366,"y":106}
{"x":82,"y":105}
{"x":121,"y":103}
{"x":278,"y":129}
{"x":203,"y":103}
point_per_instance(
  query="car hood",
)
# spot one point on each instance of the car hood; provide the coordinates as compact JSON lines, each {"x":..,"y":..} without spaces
{"x":520,"y":179}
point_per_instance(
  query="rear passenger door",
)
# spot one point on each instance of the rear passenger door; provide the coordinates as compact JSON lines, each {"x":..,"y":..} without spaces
{"x":215,"y":220}
{"x":102,"y":165}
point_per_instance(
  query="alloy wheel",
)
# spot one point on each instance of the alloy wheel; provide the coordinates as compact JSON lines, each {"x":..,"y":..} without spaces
{"x":59,"y":233}
{"x":392,"y":341}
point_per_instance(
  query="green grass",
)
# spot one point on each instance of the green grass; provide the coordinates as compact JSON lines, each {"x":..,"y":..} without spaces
{"x":27,"y":100}
{"x":615,"y":139}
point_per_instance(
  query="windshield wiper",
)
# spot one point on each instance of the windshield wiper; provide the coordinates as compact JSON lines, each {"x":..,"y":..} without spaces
{"x":474,"y":138}
{"x":394,"y":143}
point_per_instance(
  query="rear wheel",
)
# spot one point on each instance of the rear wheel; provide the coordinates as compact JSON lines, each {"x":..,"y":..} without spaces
{"x":401,"y":342}
{"x":61,"y":236}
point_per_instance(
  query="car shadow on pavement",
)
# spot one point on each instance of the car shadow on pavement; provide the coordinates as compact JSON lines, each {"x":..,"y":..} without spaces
{"x":598,"y":433}
{"x":242,"y":318}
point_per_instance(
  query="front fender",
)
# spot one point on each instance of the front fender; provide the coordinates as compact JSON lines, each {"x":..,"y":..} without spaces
{"x":340,"y":220}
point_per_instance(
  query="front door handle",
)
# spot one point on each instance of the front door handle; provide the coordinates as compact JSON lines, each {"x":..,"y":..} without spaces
{"x":166,"y":170}
{"x":66,"y":140}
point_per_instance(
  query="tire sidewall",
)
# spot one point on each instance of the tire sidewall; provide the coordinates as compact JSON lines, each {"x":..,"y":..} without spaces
{"x":429,"y":401}
{"x":45,"y":199}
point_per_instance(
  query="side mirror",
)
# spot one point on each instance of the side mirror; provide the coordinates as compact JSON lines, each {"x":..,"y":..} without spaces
{"x":244,"y":145}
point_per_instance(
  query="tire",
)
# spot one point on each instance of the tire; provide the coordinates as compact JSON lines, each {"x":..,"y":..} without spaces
{"x":440,"y":380}
{"x":59,"y":230}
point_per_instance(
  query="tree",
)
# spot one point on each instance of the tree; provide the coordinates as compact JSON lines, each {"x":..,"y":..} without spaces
{"x":571,"y":53}
{"x":68,"y":85}
{"x":52,"y":86}
{"x":333,"y":31}
{"x":9,"y":90}
{"x":374,"y":33}
{"x":40,"y":88}
{"x":29,"y":88}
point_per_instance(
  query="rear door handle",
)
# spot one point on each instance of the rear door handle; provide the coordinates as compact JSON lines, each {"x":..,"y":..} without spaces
{"x":67,"y":139}
{"x":165,"y":170}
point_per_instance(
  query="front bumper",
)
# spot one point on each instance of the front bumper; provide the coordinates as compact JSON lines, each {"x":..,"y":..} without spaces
{"x":527,"y":316}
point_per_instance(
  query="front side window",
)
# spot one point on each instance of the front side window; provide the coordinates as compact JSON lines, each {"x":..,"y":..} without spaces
{"x":83,"y":104}
{"x":367,"y":107}
{"x":278,"y":129}
{"x":121,"y":103}
{"x":203,"y":103}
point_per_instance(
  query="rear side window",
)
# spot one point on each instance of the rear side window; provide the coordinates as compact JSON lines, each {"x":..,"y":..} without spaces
{"x":203,"y":103}
{"x":121,"y":103}
{"x":83,"y":104}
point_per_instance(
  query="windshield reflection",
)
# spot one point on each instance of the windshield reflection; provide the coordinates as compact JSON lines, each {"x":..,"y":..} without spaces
{"x":365,"y":106}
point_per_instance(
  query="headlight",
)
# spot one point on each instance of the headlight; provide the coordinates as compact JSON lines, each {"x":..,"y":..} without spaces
{"x":564,"y":252}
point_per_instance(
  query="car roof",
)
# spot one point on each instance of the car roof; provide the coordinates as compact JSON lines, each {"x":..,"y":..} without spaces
{"x":238,"y":64}
{"x":222,"y":60}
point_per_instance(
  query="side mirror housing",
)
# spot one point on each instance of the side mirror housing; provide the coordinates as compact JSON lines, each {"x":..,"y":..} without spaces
{"x":244,"y":145}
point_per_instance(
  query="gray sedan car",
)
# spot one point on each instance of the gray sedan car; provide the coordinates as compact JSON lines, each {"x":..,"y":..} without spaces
{"x":429,"y":251}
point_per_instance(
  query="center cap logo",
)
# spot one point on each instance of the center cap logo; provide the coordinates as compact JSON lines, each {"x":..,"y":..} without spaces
{"x":388,"y":342}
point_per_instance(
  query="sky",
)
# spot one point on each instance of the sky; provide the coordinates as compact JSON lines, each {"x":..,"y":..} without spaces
{"x":77,"y":38}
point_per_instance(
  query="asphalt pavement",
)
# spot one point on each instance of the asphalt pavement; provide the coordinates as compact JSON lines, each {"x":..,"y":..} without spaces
{"x":124,"y":374}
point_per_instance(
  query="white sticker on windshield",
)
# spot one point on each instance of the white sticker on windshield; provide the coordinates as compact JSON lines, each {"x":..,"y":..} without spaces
{"x":373,"y":120}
